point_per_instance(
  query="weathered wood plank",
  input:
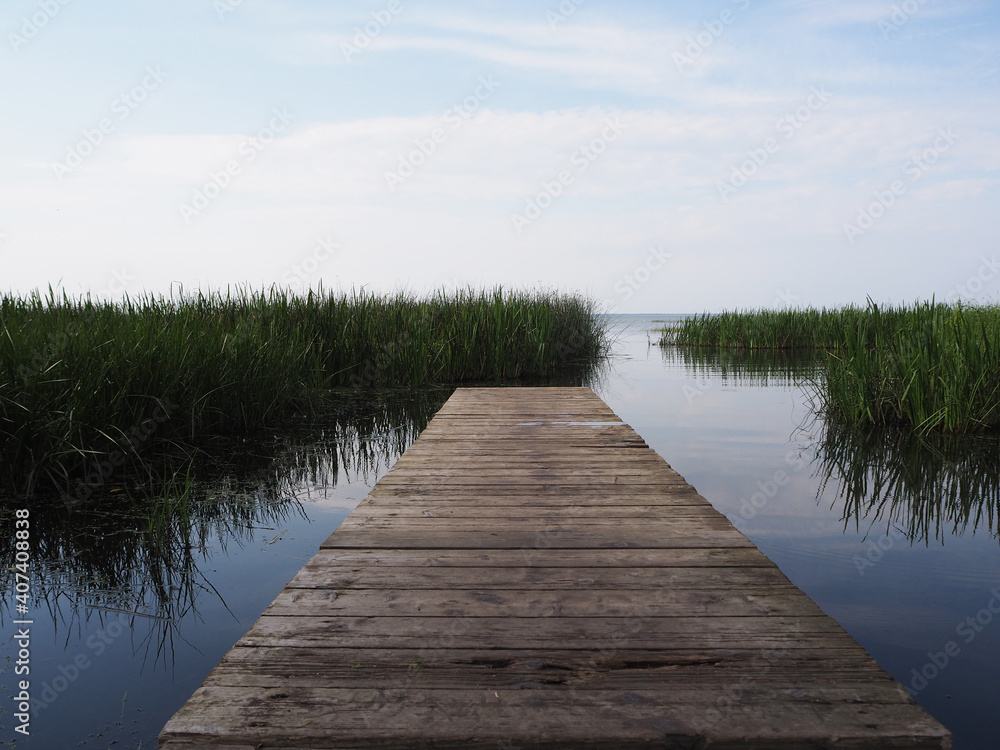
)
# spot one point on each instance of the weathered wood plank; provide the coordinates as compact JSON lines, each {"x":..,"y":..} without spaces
{"x":544,"y":516}
{"x":744,"y":557}
{"x":462,"y":531}
{"x":549,"y":632}
{"x":618,"y":494}
{"x":324,"y":666}
{"x":590,"y":496}
{"x":388,"y":602}
{"x":411,"y":717}
{"x":540,"y":539}
{"x":566,"y":482}
{"x":487,"y":470}
{"x":531,"y":574}
{"x":532,"y":577}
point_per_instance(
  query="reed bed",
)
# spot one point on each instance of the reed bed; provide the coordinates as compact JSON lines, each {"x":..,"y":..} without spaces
{"x":928,"y":367}
{"x":86,"y":388}
{"x":808,"y":328}
{"x":938,"y":371}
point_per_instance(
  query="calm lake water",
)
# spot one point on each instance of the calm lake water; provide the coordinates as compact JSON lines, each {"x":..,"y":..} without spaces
{"x":895,"y":538}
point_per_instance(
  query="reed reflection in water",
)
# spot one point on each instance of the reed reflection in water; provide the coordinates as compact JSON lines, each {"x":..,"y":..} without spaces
{"x":139,"y":549}
{"x":750,"y":367}
{"x":927,"y":487}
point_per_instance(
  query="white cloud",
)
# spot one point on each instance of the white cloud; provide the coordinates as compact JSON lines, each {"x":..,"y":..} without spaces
{"x":655,"y":185}
{"x":591,"y":55}
{"x":826,"y":14}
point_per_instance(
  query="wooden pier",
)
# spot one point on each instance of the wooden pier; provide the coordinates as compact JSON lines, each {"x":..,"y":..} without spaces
{"x":531,"y":575}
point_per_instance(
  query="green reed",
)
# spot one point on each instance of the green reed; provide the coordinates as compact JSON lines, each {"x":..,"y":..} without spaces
{"x":87,"y":387}
{"x":938,"y":371}
{"x":929,"y":367}
{"x":808,"y":328}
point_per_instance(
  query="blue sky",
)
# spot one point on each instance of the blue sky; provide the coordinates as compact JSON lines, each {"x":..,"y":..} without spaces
{"x":659,"y":157}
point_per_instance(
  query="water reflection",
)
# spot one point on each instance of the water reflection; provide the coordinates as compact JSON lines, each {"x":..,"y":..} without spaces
{"x":140,"y":559}
{"x":928,"y":487}
{"x":750,"y":367}
{"x":359,"y":435}
{"x":138,"y":551}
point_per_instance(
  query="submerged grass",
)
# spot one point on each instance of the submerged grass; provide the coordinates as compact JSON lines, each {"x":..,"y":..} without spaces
{"x":87,"y":387}
{"x":929,"y":367}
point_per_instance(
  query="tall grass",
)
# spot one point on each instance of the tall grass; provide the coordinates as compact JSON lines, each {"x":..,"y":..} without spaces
{"x":808,"y":328}
{"x":928,"y":367}
{"x":87,"y":387}
{"x":937,"y":371}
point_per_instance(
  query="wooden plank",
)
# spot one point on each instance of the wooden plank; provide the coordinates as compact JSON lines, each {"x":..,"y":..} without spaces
{"x":621,"y":494}
{"x":533,"y":577}
{"x":697,"y":693}
{"x":594,"y":467}
{"x":552,"y":515}
{"x":499,"y":633}
{"x":491,"y":602}
{"x":446,"y":524}
{"x":563,"y":484}
{"x":623,"y":668}
{"x":496,"y":498}
{"x":531,"y":574}
{"x":570,"y":457}
{"x":745,"y":557}
{"x":490,"y":717}
{"x":616,"y":538}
